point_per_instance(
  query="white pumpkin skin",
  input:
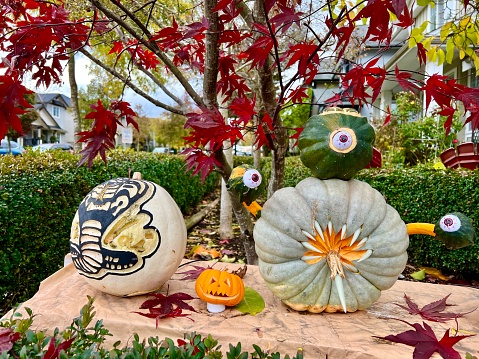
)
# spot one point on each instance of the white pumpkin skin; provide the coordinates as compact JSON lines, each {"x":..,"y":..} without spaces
{"x":352,"y":205}
{"x":128,"y":237}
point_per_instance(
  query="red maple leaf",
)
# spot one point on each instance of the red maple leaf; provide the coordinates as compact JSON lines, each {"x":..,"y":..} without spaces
{"x":404,"y":80}
{"x":285,"y":18}
{"x":193,"y":274}
{"x":421,"y":54}
{"x":378,"y":25}
{"x":54,"y":350}
{"x":259,"y":51}
{"x":101,"y":136}
{"x":200,"y":162}
{"x":243,"y":108}
{"x":261,"y":137}
{"x":433,"y":311}
{"x":425,"y":342}
{"x":7,"y":338}
{"x":298,"y":131}
{"x":166,"y":306}
{"x":12,"y":104}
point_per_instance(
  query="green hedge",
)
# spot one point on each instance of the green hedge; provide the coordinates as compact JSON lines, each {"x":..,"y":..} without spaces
{"x":39,"y":195}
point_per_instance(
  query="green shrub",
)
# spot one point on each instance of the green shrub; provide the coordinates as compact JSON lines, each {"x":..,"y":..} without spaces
{"x":85,"y":339}
{"x":40,"y":193}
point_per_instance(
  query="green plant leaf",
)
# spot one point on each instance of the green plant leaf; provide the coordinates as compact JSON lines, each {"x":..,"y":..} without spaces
{"x":252,"y":302}
{"x":419,"y":275}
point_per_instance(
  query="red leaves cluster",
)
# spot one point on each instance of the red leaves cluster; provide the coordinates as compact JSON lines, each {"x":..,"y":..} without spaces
{"x":422,"y":337}
{"x":101,"y":137}
{"x":166,"y":306}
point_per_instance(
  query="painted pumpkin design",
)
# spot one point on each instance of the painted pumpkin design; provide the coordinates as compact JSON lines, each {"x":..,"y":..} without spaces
{"x":128,"y":237}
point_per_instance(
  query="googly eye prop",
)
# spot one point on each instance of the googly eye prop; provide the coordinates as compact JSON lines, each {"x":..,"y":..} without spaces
{"x":252,"y":178}
{"x":455,"y":230}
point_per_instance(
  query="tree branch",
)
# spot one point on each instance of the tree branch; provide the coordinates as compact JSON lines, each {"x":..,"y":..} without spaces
{"x":152,"y":46}
{"x":132,"y":86}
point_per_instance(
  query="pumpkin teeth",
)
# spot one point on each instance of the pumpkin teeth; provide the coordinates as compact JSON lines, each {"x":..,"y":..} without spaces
{"x":330,"y":228}
{"x":309,"y":258}
{"x":338,"y":281}
{"x":319,"y":230}
{"x":362,"y":242}
{"x":352,"y":268}
{"x":309,"y":246}
{"x":366,"y":255}
{"x":355,"y":236}
{"x":343,"y":232}
{"x":308,"y":235}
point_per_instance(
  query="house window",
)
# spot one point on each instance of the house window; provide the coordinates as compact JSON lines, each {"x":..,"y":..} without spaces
{"x":442,"y":12}
{"x":56,"y":111}
{"x":474,"y":79}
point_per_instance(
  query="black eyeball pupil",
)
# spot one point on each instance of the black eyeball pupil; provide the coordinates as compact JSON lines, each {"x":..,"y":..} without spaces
{"x":255,"y":177}
{"x":448,"y":222}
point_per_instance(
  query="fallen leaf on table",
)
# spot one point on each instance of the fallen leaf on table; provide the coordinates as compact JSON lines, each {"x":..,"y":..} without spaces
{"x":425,"y":342}
{"x":252,"y":303}
{"x":433,"y":311}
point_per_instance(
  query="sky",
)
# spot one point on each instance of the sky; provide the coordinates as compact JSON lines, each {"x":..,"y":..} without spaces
{"x":83,"y":79}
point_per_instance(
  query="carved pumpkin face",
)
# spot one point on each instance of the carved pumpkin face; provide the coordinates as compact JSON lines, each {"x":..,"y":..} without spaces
{"x":220,"y":287}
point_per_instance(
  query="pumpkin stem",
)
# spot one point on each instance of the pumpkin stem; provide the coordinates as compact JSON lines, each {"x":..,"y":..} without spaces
{"x":334,"y":262}
{"x":421,"y":228}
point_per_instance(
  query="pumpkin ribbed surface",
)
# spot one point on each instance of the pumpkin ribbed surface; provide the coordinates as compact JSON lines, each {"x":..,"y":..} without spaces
{"x":328,"y":235}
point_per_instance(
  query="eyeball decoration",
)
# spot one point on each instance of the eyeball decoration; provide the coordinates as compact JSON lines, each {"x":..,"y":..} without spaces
{"x":128,"y":237}
{"x":455,"y":230}
{"x":252,"y":178}
{"x":343,"y":140}
{"x":246,"y":182}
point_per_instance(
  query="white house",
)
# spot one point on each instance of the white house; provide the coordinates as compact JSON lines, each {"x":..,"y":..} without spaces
{"x":56,"y":122}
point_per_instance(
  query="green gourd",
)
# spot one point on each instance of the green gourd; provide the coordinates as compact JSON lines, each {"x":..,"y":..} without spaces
{"x":336,"y":144}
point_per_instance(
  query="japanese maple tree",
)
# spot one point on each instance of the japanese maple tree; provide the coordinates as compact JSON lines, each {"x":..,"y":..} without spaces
{"x":255,"y":57}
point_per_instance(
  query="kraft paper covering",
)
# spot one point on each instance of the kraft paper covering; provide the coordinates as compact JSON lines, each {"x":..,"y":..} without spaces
{"x":336,"y":335}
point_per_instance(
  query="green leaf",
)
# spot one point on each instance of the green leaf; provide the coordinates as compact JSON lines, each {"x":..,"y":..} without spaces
{"x":424,"y":2}
{"x":420,"y":275}
{"x":252,"y":302}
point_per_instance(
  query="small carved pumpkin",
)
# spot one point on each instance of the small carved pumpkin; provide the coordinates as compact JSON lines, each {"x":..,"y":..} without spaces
{"x":128,"y":237}
{"x":330,"y":245}
{"x":219,"y":287}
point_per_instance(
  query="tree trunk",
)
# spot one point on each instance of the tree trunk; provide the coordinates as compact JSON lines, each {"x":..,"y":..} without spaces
{"x":210,"y":100}
{"x":74,"y":100}
{"x":268,"y":95}
{"x":226,"y":213}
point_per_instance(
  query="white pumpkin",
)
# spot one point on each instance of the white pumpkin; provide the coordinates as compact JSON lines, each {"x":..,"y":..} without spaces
{"x":128,"y":237}
{"x":330,"y":245}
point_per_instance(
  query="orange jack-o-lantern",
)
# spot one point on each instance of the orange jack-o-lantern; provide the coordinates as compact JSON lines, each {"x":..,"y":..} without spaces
{"x":219,"y":289}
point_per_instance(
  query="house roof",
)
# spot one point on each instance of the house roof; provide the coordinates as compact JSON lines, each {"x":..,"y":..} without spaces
{"x":56,"y":99}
